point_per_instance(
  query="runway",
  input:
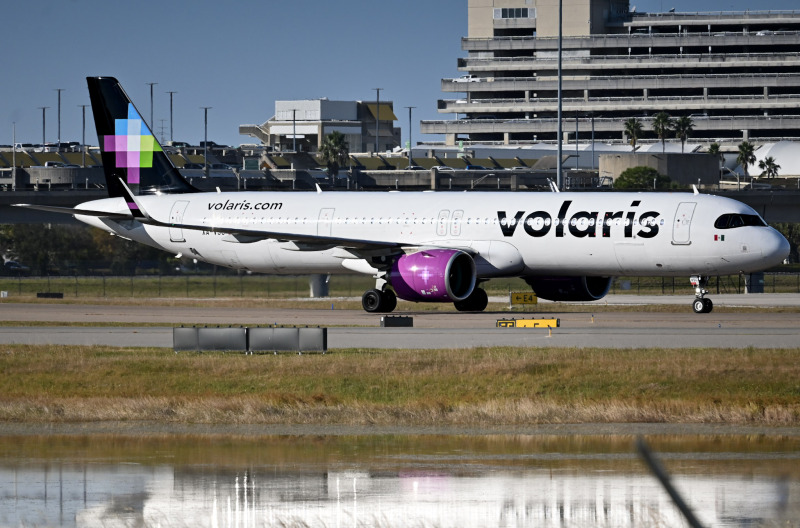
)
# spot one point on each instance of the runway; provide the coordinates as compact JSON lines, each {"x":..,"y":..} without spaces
{"x":357,"y":329}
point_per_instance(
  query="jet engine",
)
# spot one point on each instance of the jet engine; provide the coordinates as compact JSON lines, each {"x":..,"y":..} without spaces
{"x":434,"y":275}
{"x":570,"y":288}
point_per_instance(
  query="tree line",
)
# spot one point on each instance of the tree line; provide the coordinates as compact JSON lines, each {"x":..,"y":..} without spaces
{"x":664,"y":125}
{"x":53,"y":249}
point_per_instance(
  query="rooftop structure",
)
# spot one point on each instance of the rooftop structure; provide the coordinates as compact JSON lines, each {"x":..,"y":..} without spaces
{"x":302,"y":125}
{"x":736,"y":74}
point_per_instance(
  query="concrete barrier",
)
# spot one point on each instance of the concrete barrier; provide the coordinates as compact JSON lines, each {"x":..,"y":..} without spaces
{"x":184,"y":339}
{"x":231,"y":339}
{"x":313,"y":339}
{"x":259,"y":339}
{"x":388,"y":321}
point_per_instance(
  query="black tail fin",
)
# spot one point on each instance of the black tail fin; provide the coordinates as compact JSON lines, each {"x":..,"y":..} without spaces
{"x":129,"y":149}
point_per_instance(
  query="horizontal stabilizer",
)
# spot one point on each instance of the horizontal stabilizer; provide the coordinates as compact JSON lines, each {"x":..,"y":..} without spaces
{"x":73,"y":211}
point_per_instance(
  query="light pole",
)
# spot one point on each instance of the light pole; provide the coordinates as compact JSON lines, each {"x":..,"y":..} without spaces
{"x":151,"y":105}
{"x":294,"y":130}
{"x":205,"y":141}
{"x":43,"y":109}
{"x":410,"y":143}
{"x":559,"y":182}
{"x":14,"y":156}
{"x":377,"y":118}
{"x":83,"y":136}
{"x":59,"y":90}
{"x":171,"y":139}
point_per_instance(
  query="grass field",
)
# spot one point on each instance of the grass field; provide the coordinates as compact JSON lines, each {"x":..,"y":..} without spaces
{"x":471,"y":387}
{"x":281,"y":287}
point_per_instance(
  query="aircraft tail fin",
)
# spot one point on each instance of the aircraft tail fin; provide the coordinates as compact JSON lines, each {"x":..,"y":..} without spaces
{"x":129,"y":149}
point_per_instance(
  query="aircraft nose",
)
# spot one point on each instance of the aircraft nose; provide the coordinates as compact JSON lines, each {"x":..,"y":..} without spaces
{"x":775,"y":247}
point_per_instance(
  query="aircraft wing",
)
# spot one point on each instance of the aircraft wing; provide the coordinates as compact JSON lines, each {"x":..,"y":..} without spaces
{"x":304,"y":242}
{"x":237,"y":234}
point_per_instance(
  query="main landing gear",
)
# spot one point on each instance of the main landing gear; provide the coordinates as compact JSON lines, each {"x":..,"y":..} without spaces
{"x":476,"y":302}
{"x":700,"y":303}
{"x":379,"y":301}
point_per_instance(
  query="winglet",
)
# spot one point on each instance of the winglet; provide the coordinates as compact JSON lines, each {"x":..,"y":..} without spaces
{"x":695,"y":189}
{"x":319,"y":190}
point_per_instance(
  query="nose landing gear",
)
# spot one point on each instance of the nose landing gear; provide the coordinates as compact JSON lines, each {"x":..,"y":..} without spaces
{"x":700,"y":303}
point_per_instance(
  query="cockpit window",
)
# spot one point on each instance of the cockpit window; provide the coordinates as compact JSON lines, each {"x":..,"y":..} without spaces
{"x":733,"y":220}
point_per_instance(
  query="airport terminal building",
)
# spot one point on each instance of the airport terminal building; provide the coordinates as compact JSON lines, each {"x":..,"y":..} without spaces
{"x":736,"y":74}
{"x":301,"y":125}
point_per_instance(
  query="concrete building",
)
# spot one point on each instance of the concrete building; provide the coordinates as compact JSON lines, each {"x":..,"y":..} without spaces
{"x":736,"y":74}
{"x":302,"y":125}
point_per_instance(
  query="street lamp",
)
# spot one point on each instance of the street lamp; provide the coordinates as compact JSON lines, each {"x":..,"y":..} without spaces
{"x":43,"y":109}
{"x":171,"y":139}
{"x":151,"y":104}
{"x":83,"y":136}
{"x":59,"y":90}
{"x":410,"y":143}
{"x":205,"y":142}
{"x":559,"y":133}
{"x":377,"y":118}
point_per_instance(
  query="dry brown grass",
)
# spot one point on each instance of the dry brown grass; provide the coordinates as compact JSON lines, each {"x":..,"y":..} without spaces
{"x":475,"y":387}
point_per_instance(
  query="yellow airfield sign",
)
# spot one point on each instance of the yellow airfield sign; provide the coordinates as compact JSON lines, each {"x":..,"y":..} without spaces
{"x":528,"y":323}
{"x":523,"y":298}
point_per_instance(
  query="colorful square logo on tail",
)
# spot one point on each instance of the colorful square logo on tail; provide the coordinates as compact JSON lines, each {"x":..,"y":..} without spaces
{"x":133,"y":143}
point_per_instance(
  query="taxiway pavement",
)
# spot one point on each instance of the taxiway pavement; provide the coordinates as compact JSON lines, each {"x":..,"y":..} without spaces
{"x":357,"y":329}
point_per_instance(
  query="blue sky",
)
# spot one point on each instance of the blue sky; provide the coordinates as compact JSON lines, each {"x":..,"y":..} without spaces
{"x":236,"y":57}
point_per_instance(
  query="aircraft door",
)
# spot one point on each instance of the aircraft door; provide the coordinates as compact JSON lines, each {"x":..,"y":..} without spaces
{"x":176,"y":217}
{"x":441,"y":223}
{"x":455,"y":227}
{"x":325,"y":223}
{"x":682,"y":224}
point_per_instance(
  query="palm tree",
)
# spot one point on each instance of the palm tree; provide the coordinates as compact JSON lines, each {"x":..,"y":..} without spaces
{"x":633,"y":129}
{"x":683,"y":127}
{"x":662,"y":126}
{"x":768,"y":167}
{"x":334,"y":152}
{"x":746,"y":156}
{"x":715,"y":150}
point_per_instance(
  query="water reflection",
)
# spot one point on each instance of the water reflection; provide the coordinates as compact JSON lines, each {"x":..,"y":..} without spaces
{"x":406,"y":480}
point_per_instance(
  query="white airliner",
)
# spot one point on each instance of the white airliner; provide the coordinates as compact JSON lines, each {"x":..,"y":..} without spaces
{"x":421,"y":246}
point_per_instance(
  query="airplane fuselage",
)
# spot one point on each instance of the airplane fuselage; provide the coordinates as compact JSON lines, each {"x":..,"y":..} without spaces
{"x":509,"y":234}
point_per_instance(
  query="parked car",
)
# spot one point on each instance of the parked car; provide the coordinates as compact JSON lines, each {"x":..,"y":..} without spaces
{"x":476,"y":167}
{"x":467,"y":78}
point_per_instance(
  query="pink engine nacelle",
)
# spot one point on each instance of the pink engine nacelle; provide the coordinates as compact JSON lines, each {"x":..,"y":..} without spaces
{"x":434,"y":275}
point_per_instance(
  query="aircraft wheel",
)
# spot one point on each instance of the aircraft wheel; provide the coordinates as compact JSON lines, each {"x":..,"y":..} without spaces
{"x":476,"y":302}
{"x":389,"y":301}
{"x":699,"y":305}
{"x":371,"y":301}
{"x":707,"y":305}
